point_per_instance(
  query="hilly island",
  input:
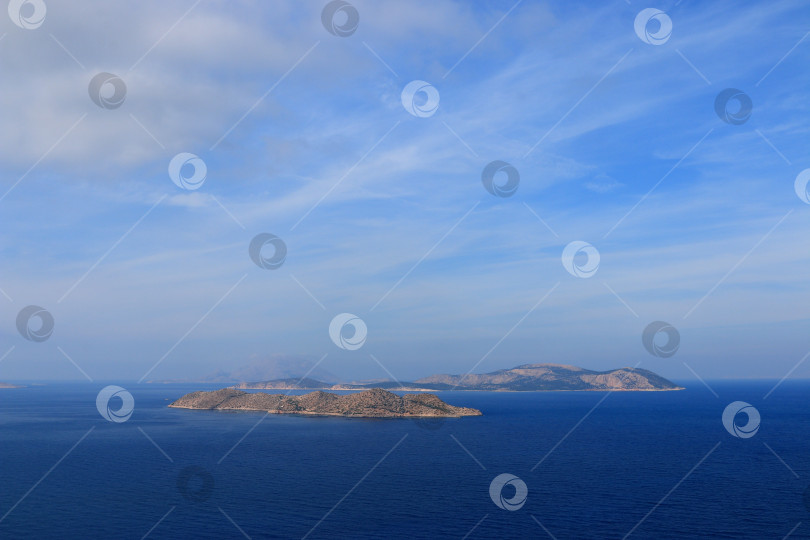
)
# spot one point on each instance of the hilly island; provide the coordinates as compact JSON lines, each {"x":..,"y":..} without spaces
{"x":526,"y":378}
{"x":374,"y":403}
{"x":373,"y":400}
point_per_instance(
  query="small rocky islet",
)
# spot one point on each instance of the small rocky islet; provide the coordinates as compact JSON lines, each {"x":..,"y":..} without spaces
{"x":373,"y":403}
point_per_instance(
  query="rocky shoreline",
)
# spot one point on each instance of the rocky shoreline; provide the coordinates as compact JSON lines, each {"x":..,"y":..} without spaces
{"x":373,"y":403}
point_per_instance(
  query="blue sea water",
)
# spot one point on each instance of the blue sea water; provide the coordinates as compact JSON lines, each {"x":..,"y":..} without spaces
{"x":607,"y":462}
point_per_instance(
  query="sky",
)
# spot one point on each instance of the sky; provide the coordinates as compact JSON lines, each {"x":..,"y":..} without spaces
{"x":605,"y":117}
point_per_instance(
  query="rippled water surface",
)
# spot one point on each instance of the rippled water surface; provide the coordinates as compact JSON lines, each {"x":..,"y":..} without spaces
{"x":628,"y":460}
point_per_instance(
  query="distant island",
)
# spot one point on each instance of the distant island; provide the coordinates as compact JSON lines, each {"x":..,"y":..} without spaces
{"x":374,"y":403}
{"x":9,"y":385}
{"x":524,"y":378}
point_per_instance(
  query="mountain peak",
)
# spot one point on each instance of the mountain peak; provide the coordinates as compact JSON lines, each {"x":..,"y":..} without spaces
{"x":525,"y":377}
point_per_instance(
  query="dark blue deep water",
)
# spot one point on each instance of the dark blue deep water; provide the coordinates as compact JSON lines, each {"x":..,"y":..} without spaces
{"x":288,"y":473}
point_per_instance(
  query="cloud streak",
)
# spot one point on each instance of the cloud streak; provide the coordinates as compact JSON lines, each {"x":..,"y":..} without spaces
{"x":317,"y":142}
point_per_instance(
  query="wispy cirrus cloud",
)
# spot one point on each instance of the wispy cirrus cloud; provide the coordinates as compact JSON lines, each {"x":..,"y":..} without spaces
{"x":381,"y":189}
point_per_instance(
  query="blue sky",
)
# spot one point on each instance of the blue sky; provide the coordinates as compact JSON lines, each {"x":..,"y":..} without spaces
{"x":304,"y":136}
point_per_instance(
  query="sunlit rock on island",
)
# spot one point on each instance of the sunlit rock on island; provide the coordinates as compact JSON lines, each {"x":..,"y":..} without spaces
{"x":373,"y":403}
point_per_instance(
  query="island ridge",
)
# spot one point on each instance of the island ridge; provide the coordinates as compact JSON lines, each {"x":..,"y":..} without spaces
{"x":374,"y":403}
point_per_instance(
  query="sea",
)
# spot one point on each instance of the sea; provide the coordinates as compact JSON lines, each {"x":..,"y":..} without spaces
{"x":535,"y":465}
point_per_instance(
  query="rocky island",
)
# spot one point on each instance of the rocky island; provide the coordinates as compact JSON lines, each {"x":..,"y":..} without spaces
{"x":524,"y":378}
{"x":373,"y":403}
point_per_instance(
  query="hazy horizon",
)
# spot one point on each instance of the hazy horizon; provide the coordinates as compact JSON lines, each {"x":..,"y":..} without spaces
{"x":208,"y":379}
